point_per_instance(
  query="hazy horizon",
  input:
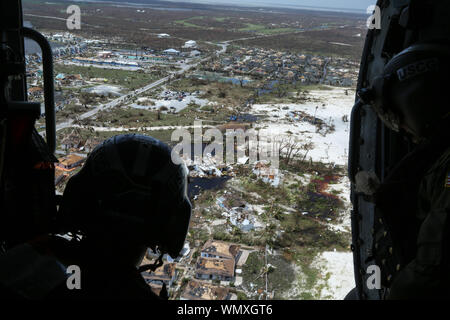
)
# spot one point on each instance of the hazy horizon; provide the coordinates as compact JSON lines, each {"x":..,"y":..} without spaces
{"x":340,"y":5}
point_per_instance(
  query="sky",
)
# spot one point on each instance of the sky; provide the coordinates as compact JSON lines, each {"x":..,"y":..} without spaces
{"x":354,"y":5}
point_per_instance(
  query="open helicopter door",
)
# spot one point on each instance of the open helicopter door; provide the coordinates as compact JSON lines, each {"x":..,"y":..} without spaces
{"x":374,"y":149}
{"x":27,"y":191}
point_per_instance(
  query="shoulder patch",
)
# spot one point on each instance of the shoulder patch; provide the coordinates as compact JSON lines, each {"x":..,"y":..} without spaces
{"x":447,"y":180}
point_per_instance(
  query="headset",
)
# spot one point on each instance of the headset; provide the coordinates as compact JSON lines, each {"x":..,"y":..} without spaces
{"x":411,"y":79}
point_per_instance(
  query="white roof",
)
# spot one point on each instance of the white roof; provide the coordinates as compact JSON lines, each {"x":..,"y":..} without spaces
{"x":190,"y":44}
{"x":171,"y":51}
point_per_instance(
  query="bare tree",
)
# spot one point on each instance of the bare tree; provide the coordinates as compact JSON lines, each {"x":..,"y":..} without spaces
{"x":307,"y":147}
{"x":289,"y":148}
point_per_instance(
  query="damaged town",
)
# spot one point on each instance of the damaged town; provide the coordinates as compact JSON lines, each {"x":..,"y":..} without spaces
{"x":257,"y":231}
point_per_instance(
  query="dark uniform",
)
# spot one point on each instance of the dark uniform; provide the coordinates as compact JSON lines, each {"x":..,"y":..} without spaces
{"x":411,"y":227}
{"x":129,"y":196}
{"x":411,"y":230}
{"x":134,"y":198}
{"x":427,"y":275}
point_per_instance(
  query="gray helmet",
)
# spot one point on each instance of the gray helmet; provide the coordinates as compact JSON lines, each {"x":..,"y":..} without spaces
{"x":410,"y":95}
{"x":130,"y":189}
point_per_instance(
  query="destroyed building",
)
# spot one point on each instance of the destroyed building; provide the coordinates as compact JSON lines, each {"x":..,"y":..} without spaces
{"x":196,"y":290}
{"x":215,"y":269}
{"x":219,"y":250}
{"x":70,"y":162}
{"x":166,"y":274}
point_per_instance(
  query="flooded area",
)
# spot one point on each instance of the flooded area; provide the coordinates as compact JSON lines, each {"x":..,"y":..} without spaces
{"x":198,"y":185}
{"x":170,"y":101}
{"x":219,"y":77}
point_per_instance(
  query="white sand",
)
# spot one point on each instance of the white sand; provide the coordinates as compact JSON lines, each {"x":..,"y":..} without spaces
{"x":339,"y":268}
{"x":332,"y":148}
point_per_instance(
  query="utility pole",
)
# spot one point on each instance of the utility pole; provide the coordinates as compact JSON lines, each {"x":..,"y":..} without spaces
{"x":267,"y":271}
{"x":315,"y":113}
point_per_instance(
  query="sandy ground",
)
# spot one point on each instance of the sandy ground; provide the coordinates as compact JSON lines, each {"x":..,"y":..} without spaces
{"x":94,"y":65}
{"x":173,"y":104}
{"x":105,"y":90}
{"x":344,"y":221}
{"x":123,"y":129}
{"x":337,"y":272}
{"x":332,"y":106}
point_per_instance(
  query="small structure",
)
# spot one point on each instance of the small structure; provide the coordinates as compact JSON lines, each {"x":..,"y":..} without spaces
{"x":267,"y":174}
{"x":215,"y":269}
{"x":184,"y":252}
{"x":60,"y":176}
{"x":163,"y":35}
{"x":171,"y":52}
{"x":104,"y":54}
{"x":91,"y":143}
{"x":72,"y":140}
{"x":190,"y":44}
{"x":219,"y":250}
{"x":104,"y":80}
{"x":194,"y":53}
{"x":70,"y":162}
{"x":166,"y":274}
{"x":196,"y":290}
{"x":36,"y":92}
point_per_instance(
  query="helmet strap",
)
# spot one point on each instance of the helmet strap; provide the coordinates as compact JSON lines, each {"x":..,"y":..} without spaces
{"x":152,"y":267}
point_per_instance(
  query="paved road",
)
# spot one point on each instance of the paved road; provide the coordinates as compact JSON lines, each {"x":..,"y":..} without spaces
{"x":112,"y":104}
{"x":131,"y":94}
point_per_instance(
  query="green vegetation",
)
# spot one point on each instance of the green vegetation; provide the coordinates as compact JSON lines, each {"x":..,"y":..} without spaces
{"x":199,"y":234}
{"x":252,"y":27}
{"x":241,"y":295}
{"x":302,"y":231}
{"x":195,"y":255}
{"x":163,"y":135}
{"x":135,"y":118}
{"x":318,"y":169}
{"x":221,"y":19}
{"x":279,"y":195}
{"x":187,"y":23}
{"x":226,"y":94}
{"x":129,"y":79}
{"x":259,"y":28}
{"x":279,"y":277}
{"x":70,"y":110}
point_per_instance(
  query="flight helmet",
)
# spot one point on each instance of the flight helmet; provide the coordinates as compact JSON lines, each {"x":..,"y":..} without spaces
{"x":410,"y":95}
{"x":130,"y":189}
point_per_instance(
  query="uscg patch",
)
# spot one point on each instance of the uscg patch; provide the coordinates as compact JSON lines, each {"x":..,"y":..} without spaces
{"x":414,"y":69}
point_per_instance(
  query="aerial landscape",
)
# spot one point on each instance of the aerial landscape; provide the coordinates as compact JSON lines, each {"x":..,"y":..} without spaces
{"x":157,"y":67}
